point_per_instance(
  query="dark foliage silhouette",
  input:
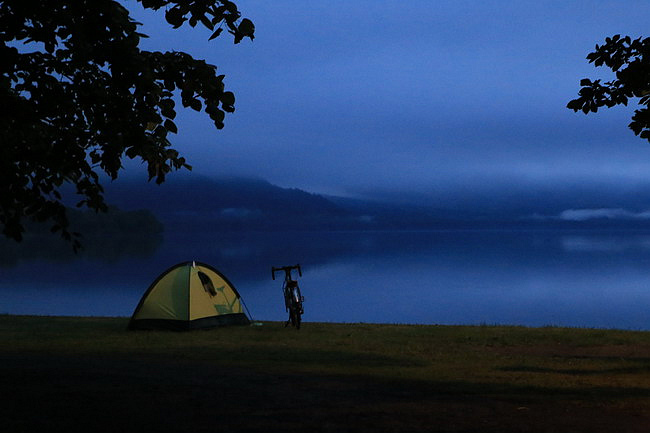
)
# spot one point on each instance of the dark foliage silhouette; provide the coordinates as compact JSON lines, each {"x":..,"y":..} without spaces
{"x":77,"y":94}
{"x":630,"y":61}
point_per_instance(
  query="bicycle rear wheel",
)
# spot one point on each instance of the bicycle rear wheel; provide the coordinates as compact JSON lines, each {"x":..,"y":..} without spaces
{"x":294,"y":316}
{"x":298,"y":319}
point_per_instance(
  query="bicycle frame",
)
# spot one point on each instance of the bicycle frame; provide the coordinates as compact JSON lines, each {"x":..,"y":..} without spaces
{"x":293,"y":299}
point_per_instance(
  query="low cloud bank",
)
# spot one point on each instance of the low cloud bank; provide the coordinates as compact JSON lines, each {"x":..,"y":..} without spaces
{"x":603,"y":213}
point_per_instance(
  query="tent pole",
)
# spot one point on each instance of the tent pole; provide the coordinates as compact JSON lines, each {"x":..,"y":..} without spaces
{"x":247,"y":310}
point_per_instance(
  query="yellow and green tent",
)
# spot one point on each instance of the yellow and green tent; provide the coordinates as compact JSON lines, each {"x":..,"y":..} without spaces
{"x":189,"y":295}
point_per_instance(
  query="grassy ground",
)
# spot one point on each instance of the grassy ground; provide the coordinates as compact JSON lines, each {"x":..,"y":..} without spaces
{"x":69,"y":374}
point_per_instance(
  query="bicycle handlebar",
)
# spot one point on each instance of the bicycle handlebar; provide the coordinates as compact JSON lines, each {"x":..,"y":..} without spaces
{"x":287,"y":270}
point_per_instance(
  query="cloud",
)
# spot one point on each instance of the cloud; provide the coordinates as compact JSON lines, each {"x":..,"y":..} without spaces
{"x":463,"y":97}
{"x":603,"y":213}
{"x":237,"y":213}
{"x":605,"y":243}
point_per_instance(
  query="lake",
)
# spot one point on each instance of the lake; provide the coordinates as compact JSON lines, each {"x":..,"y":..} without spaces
{"x":582,"y":279}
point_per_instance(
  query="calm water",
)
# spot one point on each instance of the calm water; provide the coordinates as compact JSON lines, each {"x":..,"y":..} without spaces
{"x":544,"y":278}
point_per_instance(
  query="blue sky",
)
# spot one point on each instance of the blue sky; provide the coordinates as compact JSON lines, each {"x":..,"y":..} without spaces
{"x":366,"y":98}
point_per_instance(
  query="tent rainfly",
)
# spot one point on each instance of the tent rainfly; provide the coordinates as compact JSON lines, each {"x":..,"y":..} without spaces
{"x":187,"y":296}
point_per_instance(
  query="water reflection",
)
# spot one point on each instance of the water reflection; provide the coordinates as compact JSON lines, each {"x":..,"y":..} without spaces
{"x":526,"y":278}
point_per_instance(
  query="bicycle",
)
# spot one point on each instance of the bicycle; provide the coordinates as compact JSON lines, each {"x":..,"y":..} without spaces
{"x":293,"y":299}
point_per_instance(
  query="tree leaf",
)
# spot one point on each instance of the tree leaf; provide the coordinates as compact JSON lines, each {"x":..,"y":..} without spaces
{"x":206,"y":22}
{"x":174,"y":17}
{"x":215,"y":34}
{"x":246,"y":28}
{"x":170,"y":126}
{"x":228,"y":98}
{"x":195,"y":104}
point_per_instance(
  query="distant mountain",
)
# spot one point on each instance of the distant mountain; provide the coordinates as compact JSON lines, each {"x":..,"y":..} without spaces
{"x":200,"y":194}
{"x":255,"y":204}
{"x":226,"y":204}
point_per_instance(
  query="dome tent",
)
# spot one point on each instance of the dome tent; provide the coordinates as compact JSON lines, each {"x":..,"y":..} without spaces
{"x":189,"y":295}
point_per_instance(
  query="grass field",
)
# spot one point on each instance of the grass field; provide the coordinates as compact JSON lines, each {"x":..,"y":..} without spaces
{"x":73,"y":374}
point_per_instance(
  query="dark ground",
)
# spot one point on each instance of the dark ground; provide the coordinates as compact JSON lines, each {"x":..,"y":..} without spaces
{"x":146,"y":387}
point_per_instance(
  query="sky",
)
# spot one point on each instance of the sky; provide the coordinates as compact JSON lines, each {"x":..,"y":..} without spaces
{"x":412,"y":98}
